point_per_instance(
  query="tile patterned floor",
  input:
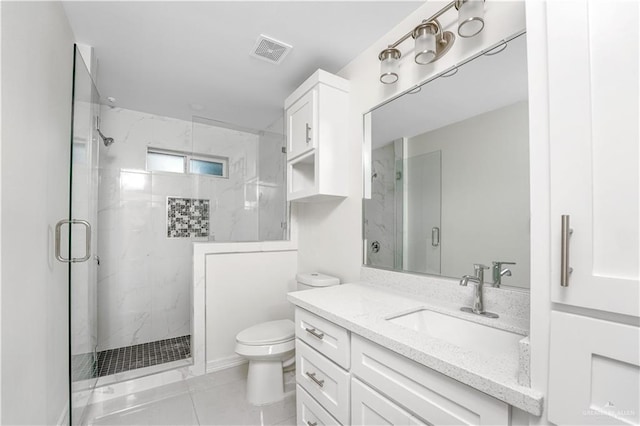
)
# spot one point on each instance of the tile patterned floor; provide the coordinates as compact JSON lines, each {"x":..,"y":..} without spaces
{"x":213,"y":399}
{"x":83,"y":367}
{"x":114,"y":361}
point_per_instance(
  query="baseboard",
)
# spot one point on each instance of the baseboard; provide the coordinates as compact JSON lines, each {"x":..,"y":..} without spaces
{"x":63,"y":418}
{"x":224,"y":363}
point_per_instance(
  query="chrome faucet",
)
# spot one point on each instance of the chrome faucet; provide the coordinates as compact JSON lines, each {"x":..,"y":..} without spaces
{"x":478,"y":280}
{"x":498,"y":272}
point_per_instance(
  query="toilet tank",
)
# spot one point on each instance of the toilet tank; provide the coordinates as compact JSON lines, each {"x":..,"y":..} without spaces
{"x":310,"y":280}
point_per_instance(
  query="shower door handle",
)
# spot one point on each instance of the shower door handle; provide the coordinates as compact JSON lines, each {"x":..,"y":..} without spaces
{"x":72,"y":222}
{"x":435,"y":236}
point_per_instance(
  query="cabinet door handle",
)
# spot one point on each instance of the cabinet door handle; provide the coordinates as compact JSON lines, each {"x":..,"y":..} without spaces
{"x":312,"y":376}
{"x":435,"y":236}
{"x":565,"y":269}
{"x":315,"y":333}
{"x":308,"y":131}
{"x":310,"y":423}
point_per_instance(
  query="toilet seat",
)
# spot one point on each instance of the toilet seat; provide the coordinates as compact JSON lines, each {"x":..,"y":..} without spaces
{"x":267,"y":333}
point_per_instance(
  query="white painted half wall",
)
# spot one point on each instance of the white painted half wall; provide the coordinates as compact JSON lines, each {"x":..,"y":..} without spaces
{"x":37,"y":70}
{"x":244,"y":288}
{"x":330,"y":233}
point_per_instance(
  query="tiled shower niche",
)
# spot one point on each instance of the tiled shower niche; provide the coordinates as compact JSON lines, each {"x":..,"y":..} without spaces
{"x":187,"y":217}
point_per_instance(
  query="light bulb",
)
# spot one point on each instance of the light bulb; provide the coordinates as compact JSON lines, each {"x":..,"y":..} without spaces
{"x":470,"y":17}
{"x":389,"y":65}
{"x":425,"y":43}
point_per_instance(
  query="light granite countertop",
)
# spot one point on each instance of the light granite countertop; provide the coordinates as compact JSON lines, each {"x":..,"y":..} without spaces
{"x":364,"y":309}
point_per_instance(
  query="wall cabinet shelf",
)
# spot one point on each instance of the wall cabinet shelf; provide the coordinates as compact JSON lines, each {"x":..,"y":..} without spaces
{"x":316,"y":117}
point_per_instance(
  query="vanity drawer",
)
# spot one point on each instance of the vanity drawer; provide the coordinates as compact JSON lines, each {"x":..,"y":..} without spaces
{"x":324,"y":380}
{"x":309,"y":412}
{"x":324,"y":336}
{"x":432,"y":396}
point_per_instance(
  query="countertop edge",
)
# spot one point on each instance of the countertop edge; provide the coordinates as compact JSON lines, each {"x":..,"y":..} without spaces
{"x":518,"y":396}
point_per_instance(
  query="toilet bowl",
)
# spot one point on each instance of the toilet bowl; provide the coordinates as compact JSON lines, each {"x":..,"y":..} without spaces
{"x":269,"y":346}
{"x":266,"y":346}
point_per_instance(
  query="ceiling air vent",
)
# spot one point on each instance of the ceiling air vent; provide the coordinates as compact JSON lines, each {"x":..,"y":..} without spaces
{"x":270,"y":50}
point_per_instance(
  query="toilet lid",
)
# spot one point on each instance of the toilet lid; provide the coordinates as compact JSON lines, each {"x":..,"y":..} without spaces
{"x":271,"y":332}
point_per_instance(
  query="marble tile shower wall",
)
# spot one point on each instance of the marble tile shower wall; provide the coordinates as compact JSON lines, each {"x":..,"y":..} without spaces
{"x":380,"y":213}
{"x":144,"y":291}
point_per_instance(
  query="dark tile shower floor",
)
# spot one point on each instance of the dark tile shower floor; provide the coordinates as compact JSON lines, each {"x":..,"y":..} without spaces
{"x":117,"y":360}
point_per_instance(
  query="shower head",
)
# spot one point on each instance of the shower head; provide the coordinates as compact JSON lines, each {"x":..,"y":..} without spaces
{"x":107,"y":141}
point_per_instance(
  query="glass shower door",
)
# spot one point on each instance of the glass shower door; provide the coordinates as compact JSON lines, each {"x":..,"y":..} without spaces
{"x":81,"y":230}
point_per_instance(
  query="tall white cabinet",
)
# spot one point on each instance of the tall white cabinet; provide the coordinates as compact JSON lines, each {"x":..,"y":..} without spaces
{"x":317,"y":134}
{"x":594,"y":363}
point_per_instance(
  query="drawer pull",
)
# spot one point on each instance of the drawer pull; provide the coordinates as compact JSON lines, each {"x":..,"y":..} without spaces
{"x":310,"y":423}
{"x":312,"y":376}
{"x":315,"y":333}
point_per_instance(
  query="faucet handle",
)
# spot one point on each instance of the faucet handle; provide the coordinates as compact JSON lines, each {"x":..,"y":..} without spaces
{"x":479,"y":267}
{"x":500,"y":263}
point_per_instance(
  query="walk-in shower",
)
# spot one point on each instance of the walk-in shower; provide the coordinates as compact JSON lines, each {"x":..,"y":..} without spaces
{"x":166,"y":184}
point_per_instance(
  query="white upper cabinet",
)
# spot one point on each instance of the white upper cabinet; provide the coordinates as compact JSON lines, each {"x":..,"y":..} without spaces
{"x":317,"y":127}
{"x":302,"y":123}
{"x":593,"y":114}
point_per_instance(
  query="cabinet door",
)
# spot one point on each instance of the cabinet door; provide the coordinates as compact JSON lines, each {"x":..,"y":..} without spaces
{"x":594,"y":371}
{"x":368,"y":407}
{"x":432,"y":396}
{"x":301,"y":125}
{"x":593,"y":117}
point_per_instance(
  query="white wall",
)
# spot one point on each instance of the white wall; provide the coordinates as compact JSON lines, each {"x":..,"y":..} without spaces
{"x":144,"y":277}
{"x":37,"y":60}
{"x":238,"y":296}
{"x":485,"y":217}
{"x":330,"y":236}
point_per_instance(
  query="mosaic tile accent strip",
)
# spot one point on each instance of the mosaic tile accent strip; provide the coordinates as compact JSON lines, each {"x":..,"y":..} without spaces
{"x":187,"y":217}
{"x":117,"y":360}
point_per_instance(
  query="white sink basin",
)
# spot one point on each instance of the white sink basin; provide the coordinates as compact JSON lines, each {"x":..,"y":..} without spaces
{"x":460,"y":332}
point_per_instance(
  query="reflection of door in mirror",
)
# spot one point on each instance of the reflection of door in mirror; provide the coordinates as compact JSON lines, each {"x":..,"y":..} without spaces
{"x":384,"y":211}
{"x":422,"y":215}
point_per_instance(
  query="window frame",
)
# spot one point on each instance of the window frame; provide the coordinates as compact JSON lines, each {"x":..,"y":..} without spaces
{"x":186,"y":162}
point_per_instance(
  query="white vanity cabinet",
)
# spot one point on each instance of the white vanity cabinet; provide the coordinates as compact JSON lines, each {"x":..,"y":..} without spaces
{"x":427,"y":394}
{"x":322,"y":362}
{"x":316,"y":126}
{"x":346,"y":379}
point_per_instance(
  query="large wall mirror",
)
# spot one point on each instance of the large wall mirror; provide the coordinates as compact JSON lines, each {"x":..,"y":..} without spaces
{"x":450,"y":173}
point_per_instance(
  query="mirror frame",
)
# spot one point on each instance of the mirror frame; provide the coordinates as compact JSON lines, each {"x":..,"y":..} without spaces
{"x":367,"y":152}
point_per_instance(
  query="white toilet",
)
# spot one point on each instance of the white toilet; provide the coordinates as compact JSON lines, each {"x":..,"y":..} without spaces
{"x":269,"y":347}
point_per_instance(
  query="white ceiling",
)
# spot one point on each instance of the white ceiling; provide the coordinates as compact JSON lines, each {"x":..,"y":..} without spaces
{"x":160,"y":57}
{"x":484,"y":84}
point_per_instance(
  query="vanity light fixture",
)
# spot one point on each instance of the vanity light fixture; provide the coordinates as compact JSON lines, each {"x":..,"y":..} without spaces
{"x":431,"y":41}
{"x":389,"y":59}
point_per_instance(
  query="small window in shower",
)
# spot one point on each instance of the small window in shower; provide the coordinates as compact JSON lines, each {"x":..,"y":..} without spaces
{"x":165,"y":162}
{"x":159,"y":160}
{"x":208,"y":167}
